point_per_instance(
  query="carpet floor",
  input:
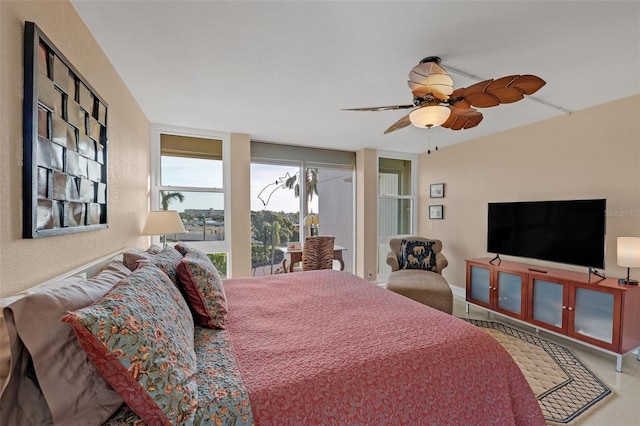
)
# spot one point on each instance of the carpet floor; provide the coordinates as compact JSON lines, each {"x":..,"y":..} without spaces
{"x":566,"y":389}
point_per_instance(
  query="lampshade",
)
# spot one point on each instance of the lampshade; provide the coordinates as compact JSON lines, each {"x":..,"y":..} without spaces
{"x":629,"y":252}
{"x":429,"y":116}
{"x":430,"y":78}
{"x":312,"y":220}
{"x":163,"y":222}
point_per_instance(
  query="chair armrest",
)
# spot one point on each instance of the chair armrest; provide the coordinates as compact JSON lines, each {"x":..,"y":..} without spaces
{"x":441,"y":262}
{"x":392,"y":261}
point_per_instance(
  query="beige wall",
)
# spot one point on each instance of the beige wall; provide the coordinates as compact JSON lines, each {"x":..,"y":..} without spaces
{"x":240,"y":194}
{"x":366,"y":214}
{"x":594,"y":153}
{"x":25,"y":262}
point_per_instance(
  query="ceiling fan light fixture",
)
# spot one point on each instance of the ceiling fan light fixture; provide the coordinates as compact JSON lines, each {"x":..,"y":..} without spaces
{"x":438,"y":84}
{"x":429,"y":116}
{"x":441,"y":79}
{"x":437,"y":103}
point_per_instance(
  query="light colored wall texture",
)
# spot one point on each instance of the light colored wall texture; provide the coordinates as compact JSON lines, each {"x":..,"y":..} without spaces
{"x":240,"y":171}
{"x":593,"y":153}
{"x":25,"y":262}
{"x":366,"y":213}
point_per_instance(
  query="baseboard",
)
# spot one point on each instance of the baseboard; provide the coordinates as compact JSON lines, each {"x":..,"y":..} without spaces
{"x":458,"y":291}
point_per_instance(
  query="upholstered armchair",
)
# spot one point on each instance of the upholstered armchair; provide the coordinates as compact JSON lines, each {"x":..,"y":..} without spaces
{"x":416,"y":271}
{"x":393,"y":257}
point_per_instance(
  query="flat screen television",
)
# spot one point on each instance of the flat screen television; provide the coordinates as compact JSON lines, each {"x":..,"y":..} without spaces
{"x":571,"y":232}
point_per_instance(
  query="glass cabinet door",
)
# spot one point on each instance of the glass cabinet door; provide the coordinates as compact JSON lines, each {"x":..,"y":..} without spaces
{"x":547,"y":302}
{"x":593,"y":314}
{"x":510,"y":292}
{"x":480,"y":284}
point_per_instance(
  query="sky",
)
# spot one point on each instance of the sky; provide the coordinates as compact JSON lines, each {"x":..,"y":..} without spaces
{"x":266,"y":183}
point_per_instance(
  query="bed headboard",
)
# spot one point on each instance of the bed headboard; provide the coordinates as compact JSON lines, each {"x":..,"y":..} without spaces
{"x":85,"y":271}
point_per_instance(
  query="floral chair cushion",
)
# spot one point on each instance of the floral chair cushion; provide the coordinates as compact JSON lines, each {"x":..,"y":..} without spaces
{"x":417,"y":255}
{"x":140,"y":337}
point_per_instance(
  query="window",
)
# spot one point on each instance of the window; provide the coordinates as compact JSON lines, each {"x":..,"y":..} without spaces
{"x":189,"y":175}
{"x":396,"y":203}
{"x":395,"y":196}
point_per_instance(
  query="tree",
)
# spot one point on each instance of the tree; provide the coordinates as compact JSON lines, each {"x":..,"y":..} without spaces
{"x":277,"y":232}
{"x":270,"y":228}
{"x":259,"y":256}
{"x":219,"y":260}
{"x":168,"y":197}
{"x":311,"y":185}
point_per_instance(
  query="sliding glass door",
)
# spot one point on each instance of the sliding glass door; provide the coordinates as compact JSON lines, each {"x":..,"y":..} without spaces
{"x":283,"y":194}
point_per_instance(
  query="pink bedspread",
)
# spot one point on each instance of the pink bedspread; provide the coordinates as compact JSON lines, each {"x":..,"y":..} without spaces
{"x":326,"y":347}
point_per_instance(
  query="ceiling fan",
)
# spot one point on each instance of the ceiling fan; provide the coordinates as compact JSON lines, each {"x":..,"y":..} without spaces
{"x":436,"y":103}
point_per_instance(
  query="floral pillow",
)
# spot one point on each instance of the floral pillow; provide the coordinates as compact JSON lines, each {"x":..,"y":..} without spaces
{"x":417,"y":255}
{"x":167,"y":260}
{"x":140,"y":337}
{"x":203,"y":289}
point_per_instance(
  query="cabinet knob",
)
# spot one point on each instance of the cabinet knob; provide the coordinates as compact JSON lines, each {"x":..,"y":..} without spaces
{"x":570,"y":308}
{"x":564,"y":307}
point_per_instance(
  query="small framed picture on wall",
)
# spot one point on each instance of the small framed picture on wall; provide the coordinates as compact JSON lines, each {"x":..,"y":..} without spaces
{"x":436,"y":190}
{"x":436,"y":212}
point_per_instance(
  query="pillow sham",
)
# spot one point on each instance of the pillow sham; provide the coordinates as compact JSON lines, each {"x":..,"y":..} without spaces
{"x":167,"y":260}
{"x":203,"y":289}
{"x":415,"y":254}
{"x":184,"y":249}
{"x":5,"y":352}
{"x":143,"y":346}
{"x":51,"y":377}
{"x":131,"y":257}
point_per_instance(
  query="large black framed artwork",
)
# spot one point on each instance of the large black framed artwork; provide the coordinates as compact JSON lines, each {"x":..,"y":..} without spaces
{"x":64,"y":144}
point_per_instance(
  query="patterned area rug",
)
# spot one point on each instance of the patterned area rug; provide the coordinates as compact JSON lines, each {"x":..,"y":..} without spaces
{"x":564,"y":386}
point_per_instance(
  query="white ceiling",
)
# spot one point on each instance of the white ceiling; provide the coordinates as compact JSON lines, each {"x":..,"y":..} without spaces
{"x":281,"y":71}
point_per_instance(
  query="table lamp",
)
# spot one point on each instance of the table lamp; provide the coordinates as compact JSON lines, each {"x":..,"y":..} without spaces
{"x":163,"y":222}
{"x":312,"y":221}
{"x":628,"y":256}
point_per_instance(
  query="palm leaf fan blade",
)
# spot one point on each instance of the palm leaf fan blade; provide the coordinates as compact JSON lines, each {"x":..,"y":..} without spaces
{"x":504,"y":91}
{"x":477,"y":96}
{"x":482,"y":100}
{"x":462,"y":119}
{"x":529,"y":84}
{"x":380,"y":108}
{"x":508,"y":95}
{"x":459,"y":102}
{"x":400,"y":124}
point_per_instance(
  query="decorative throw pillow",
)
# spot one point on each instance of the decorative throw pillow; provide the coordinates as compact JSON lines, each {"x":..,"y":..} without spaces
{"x":203,"y":289}
{"x":417,"y":255}
{"x":167,"y":260}
{"x":140,"y":338}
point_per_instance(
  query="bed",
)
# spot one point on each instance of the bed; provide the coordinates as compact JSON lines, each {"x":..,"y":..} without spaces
{"x":307,"y":348}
